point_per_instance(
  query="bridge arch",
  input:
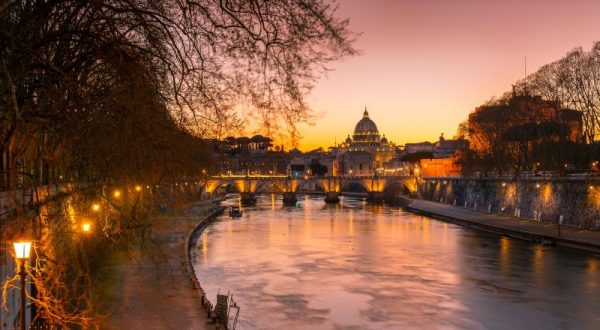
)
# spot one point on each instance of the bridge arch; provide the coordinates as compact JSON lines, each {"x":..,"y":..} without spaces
{"x":346,"y":183}
{"x":402,"y":185}
{"x":214,"y":186}
{"x":276,"y":186}
{"x":302,"y":183}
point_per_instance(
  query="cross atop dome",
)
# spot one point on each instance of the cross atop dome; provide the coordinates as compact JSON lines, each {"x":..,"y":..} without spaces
{"x":366,"y":113}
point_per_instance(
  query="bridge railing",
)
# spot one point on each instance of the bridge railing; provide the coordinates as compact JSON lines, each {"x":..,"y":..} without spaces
{"x":282,"y":176}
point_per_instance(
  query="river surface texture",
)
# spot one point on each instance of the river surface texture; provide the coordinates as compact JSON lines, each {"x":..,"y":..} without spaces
{"x":357,"y":266}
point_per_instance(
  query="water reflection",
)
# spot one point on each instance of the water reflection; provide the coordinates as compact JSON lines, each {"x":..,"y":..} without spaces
{"x":357,"y":266}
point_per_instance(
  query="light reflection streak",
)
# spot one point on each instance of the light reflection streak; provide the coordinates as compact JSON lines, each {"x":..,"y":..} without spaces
{"x":505,"y":256}
{"x":538,"y":263}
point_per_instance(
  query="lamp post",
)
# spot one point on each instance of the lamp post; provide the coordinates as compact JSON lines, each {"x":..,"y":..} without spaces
{"x":22,"y":250}
{"x":86,"y":228}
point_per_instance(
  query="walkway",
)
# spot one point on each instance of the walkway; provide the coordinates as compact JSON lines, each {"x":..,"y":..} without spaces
{"x":511,"y":226}
{"x":154,"y":291}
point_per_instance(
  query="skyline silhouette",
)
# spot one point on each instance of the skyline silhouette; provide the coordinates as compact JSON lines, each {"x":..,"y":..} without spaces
{"x":426,"y":65}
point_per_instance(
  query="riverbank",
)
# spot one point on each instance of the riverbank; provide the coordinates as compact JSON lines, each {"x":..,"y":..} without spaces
{"x":152,"y":289}
{"x":540,"y":232}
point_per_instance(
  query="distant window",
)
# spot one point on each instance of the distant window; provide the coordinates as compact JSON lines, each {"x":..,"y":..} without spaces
{"x":360,"y":166}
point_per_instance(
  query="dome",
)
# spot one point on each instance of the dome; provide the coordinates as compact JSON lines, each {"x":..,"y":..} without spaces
{"x":366,"y":130}
{"x":348,"y":140}
{"x":384,"y":140}
{"x":365,"y":125}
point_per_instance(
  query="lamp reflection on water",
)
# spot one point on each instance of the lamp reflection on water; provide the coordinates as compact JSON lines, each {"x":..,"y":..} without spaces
{"x":505,"y":256}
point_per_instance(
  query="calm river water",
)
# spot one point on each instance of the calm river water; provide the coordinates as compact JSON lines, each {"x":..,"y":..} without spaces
{"x":357,"y":266}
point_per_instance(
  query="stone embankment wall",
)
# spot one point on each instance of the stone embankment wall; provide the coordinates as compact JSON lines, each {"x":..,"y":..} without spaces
{"x":572,"y":201}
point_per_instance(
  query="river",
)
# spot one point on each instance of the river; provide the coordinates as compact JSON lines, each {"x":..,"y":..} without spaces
{"x":360,"y":266}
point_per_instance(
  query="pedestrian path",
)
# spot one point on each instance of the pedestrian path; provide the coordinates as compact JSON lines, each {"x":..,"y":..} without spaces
{"x":153,"y":290}
{"x":511,"y":226}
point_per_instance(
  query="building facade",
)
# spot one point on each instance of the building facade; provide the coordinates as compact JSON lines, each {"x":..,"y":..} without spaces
{"x":365,"y":139}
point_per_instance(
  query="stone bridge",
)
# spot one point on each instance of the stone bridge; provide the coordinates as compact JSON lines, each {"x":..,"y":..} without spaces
{"x":248,"y":185}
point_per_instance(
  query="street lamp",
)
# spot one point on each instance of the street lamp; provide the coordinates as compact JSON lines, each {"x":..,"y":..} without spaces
{"x":22,"y":250}
{"x":117,"y":193}
{"x":95,"y":207}
{"x":86,"y":228}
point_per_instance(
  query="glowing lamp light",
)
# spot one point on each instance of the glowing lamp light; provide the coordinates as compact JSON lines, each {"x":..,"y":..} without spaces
{"x":138,"y":188}
{"x":503,"y":184}
{"x":95,"y":207}
{"x":117,"y":193}
{"x":86,"y":227}
{"x":537,"y":185}
{"x":22,"y":249}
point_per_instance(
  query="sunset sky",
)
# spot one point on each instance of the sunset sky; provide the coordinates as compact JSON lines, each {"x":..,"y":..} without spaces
{"x":427,"y":64}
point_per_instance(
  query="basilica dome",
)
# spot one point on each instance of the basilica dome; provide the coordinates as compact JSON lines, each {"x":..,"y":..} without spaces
{"x":366,"y":130}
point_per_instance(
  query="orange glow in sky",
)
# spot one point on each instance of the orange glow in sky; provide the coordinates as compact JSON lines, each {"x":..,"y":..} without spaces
{"x":427,"y":64}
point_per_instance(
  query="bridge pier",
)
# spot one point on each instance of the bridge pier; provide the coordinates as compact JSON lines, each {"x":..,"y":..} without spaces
{"x":248,"y":198}
{"x":375,"y":197}
{"x":332,"y":197}
{"x":289,"y":198}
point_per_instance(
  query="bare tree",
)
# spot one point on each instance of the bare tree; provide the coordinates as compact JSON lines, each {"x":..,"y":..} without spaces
{"x":62,"y":60}
{"x":118,"y":92}
{"x":574,"y":80}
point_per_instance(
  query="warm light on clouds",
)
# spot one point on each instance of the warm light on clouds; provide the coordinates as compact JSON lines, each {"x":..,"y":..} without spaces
{"x":427,"y":64}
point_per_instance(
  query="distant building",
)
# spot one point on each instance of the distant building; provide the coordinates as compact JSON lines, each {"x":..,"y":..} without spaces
{"x":396,"y":167}
{"x":444,"y":156}
{"x":298,"y":168}
{"x":411,"y":148}
{"x":447,"y":148}
{"x":359,"y":163}
{"x":437,"y":167}
{"x":366,"y":139}
{"x":243,"y":155}
{"x":443,"y":148}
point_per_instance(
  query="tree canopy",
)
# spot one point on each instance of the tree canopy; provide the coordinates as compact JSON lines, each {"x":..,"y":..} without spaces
{"x":417,"y":156}
{"x":83,"y":79}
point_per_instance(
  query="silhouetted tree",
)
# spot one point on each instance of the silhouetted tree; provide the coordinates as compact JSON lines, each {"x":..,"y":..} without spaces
{"x":416,"y":156}
{"x":573,"y":80}
{"x":119,"y":92}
